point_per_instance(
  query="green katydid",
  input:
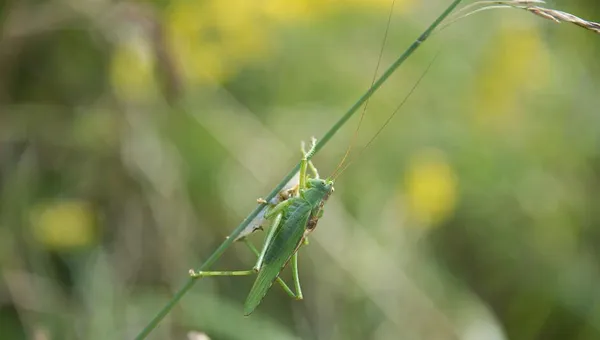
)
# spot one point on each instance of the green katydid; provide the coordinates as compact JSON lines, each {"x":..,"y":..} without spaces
{"x":292,"y":220}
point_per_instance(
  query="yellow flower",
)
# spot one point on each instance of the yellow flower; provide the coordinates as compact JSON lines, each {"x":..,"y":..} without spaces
{"x":212,"y":40}
{"x":431,"y":187}
{"x":64,"y":225}
{"x":517,"y":61}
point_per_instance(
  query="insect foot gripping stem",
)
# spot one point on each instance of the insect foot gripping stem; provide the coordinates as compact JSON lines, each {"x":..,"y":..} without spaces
{"x":308,"y":154}
{"x":311,"y":151}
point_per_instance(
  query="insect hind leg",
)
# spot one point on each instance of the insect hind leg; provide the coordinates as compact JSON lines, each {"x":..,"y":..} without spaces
{"x":279,"y":280}
{"x":199,"y":274}
{"x":296,"y":278}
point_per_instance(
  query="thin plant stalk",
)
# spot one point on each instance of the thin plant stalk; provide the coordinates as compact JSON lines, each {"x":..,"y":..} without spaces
{"x":530,"y":6}
{"x":321,"y":143}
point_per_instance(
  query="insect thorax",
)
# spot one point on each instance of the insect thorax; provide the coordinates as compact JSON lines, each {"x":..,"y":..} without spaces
{"x":318,"y":190}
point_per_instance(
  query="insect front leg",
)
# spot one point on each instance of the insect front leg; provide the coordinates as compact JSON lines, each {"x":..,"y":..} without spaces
{"x":311,"y":166}
{"x":304,"y":163}
{"x":278,"y":209}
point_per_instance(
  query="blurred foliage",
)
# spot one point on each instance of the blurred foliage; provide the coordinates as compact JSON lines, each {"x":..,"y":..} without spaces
{"x":134,"y":136}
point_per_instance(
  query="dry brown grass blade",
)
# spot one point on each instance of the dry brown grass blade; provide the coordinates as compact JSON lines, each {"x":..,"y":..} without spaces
{"x":528,"y":5}
{"x":560,"y":16}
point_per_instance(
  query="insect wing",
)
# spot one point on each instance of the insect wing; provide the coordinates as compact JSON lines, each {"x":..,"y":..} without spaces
{"x":257,"y":222}
{"x":260,"y":220}
{"x":284,"y":245}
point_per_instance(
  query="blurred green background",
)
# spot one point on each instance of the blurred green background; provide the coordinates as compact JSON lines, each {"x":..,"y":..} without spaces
{"x":134,"y":136}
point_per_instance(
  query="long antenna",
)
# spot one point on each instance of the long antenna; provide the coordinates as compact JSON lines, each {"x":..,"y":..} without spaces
{"x":389,"y":119}
{"x":362,"y":115}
